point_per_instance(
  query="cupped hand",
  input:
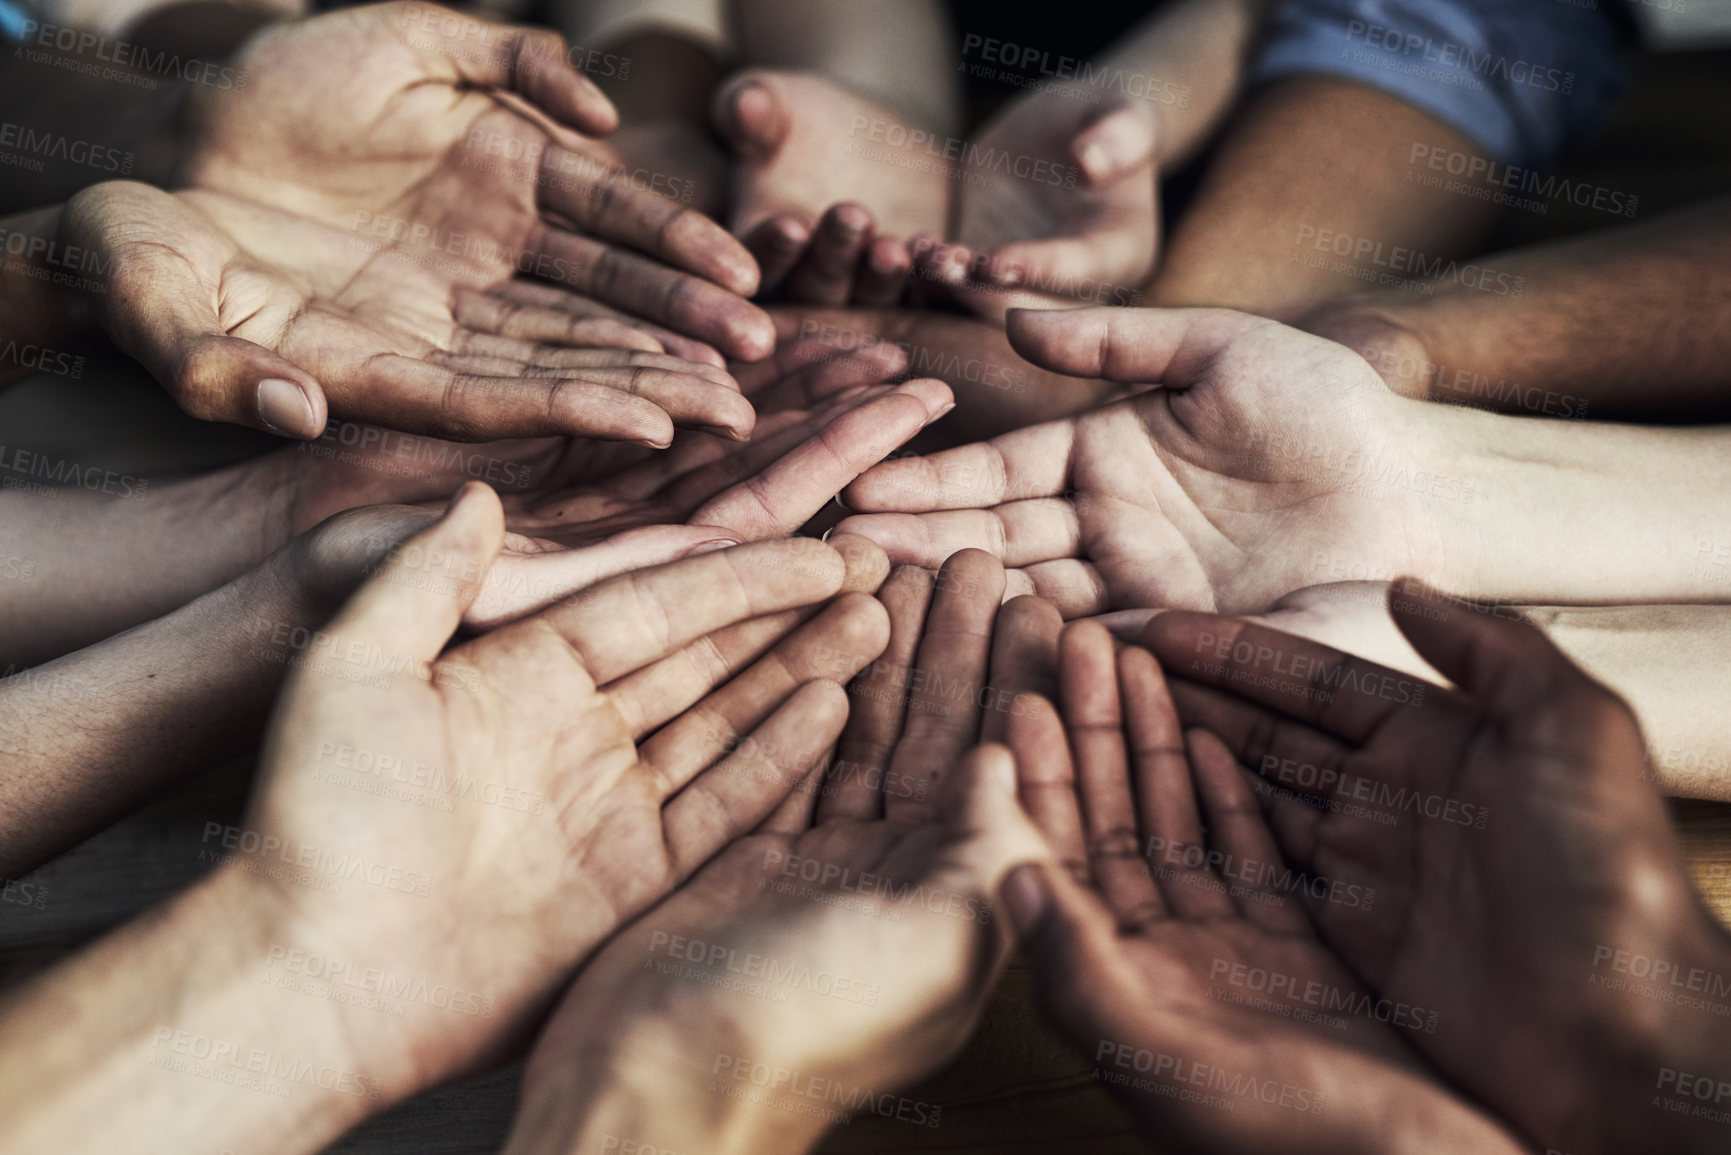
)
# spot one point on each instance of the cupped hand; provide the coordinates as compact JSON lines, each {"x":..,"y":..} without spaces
{"x":1260,"y":450}
{"x":261,"y":317}
{"x":468,"y":146}
{"x":1177,"y":953}
{"x":1516,"y":845}
{"x":854,"y":954}
{"x":1060,"y":200}
{"x":477,"y":819}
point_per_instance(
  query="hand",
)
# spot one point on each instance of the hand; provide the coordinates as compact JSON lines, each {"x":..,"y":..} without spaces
{"x":1062,"y":203}
{"x":996,"y":389}
{"x":458,"y":143}
{"x":807,"y":149}
{"x":1261,"y":450}
{"x":1186,"y":963}
{"x":507,"y":792}
{"x":802,"y":455}
{"x":868,"y":979}
{"x":253,"y":315}
{"x":1519,"y":854}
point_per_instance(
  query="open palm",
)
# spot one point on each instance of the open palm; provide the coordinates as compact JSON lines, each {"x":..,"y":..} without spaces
{"x":1185,"y":936}
{"x":1261,"y":449}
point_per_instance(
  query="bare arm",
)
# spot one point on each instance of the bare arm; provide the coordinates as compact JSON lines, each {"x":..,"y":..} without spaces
{"x":1632,"y":321}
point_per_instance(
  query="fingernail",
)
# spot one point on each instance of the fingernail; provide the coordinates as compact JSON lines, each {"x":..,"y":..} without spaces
{"x":1024,"y":894}
{"x":948,"y":405}
{"x":283,"y":407}
{"x":713,"y":546}
{"x":840,"y":504}
{"x":826,"y":534}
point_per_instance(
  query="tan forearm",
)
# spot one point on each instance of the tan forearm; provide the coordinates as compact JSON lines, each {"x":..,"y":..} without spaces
{"x":163,"y":1038}
{"x":1630,"y":321}
{"x":1313,"y":168}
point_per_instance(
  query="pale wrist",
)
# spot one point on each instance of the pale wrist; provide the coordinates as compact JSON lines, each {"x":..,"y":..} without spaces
{"x":650,"y":1080}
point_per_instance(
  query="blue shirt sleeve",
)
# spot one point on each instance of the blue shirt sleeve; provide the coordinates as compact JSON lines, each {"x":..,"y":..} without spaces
{"x":1523,"y":79}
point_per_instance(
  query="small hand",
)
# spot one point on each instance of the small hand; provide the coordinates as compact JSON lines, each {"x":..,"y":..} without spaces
{"x":1062,"y":203}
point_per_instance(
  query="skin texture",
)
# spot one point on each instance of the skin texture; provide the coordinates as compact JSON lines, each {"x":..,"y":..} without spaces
{"x":1628,"y":321}
{"x":214,"y":295}
{"x":1141,"y":109}
{"x":587,"y":821}
{"x":1136,"y":950}
{"x":1252,"y":457}
{"x":1317,"y":153}
{"x":465,"y":139}
{"x":916,"y":978}
{"x":1538,"y":848}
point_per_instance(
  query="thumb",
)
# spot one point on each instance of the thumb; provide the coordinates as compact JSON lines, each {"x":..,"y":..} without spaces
{"x":166,"y":265}
{"x":412,"y":604}
{"x":750,"y":115}
{"x":1067,"y":937}
{"x":1115,"y":146}
{"x":174,"y":332}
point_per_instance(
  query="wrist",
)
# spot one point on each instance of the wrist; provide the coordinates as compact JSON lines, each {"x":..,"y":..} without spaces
{"x":648,"y":1080}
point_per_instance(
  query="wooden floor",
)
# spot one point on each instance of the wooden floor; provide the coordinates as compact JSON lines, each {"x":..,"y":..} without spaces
{"x":1017,"y":1088}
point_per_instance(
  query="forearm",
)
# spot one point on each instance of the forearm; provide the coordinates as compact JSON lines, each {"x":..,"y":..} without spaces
{"x":643,"y":1082}
{"x":1546,"y":511}
{"x":1629,"y":321}
{"x":1668,"y":663}
{"x":1193,"y":55}
{"x":88,"y":737}
{"x":1315,"y":166}
{"x":111,"y":550}
{"x":163,"y":1038}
